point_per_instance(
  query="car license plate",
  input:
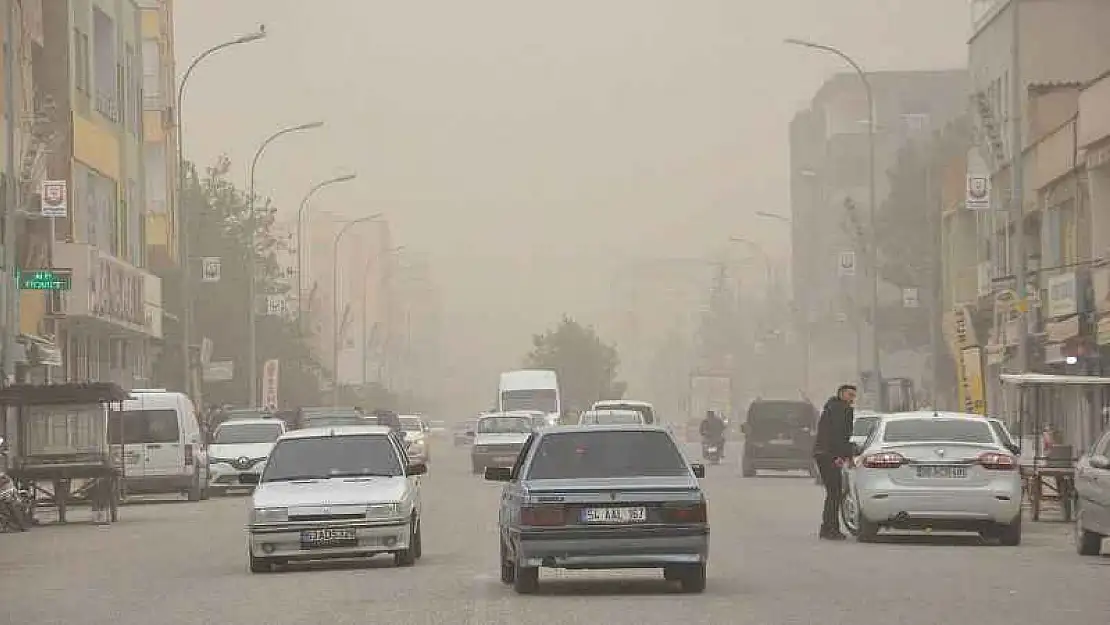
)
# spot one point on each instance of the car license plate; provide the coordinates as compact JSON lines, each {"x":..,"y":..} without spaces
{"x":782,"y":441}
{"x":932,"y":471}
{"x":614,"y":515}
{"x":336,"y":537}
{"x":242,"y":475}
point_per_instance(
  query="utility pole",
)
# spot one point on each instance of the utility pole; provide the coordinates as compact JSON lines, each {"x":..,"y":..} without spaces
{"x":1017,"y":183}
{"x":11,"y":200}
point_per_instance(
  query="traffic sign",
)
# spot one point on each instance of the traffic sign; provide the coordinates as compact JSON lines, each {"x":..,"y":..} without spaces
{"x":210,"y":269}
{"x":910,"y":298}
{"x":53,"y":201}
{"x":46,"y":280}
{"x":978,"y":193}
{"x":846,"y":265}
{"x":275,"y":305}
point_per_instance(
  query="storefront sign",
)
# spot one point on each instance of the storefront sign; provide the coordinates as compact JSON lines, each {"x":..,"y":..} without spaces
{"x":974,"y":395}
{"x":116,"y":292}
{"x":1060,"y":331}
{"x":1062,"y":300}
{"x":270,"y":372}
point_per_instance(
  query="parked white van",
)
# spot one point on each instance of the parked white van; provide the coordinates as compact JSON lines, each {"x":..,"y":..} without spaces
{"x":163,"y":445}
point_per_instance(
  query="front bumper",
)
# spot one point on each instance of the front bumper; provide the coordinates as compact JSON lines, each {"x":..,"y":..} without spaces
{"x":283,"y":540}
{"x":612,"y":548}
{"x":221,"y":475}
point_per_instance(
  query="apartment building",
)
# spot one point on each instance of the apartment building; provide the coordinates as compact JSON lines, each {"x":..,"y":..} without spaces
{"x":110,"y":323}
{"x":159,"y":133}
{"x":1093,"y":137}
{"x":829,"y":196}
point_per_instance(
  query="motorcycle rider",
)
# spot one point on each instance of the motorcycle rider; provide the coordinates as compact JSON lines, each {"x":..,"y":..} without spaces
{"x":712,"y":430}
{"x":832,"y":450}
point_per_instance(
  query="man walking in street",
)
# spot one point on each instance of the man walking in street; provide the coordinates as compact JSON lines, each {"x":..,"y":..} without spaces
{"x":832,"y":450}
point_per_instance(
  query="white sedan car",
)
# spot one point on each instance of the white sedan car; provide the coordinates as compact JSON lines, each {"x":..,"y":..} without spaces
{"x":942,"y":471}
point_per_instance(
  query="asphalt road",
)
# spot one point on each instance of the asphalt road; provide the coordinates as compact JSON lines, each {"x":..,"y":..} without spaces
{"x":171,"y":563}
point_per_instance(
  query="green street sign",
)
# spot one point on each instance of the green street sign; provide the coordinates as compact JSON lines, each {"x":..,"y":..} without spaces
{"x":46,"y":280}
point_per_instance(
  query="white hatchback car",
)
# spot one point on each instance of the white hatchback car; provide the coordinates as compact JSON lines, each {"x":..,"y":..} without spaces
{"x":336,"y":492}
{"x":929,"y":470}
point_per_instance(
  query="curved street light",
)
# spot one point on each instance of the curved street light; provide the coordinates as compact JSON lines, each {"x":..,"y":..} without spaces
{"x":300,"y":237}
{"x":873,"y":248}
{"x":178,"y":205}
{"x":252,"y":268}
{"x":335,"y":297}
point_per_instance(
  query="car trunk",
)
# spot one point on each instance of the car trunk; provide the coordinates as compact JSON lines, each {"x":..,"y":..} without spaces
{"x":616,"y":501}
{"x":941,"y":464}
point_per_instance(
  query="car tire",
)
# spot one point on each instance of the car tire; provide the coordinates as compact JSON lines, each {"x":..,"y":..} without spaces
{"x":867,"y":531}
{"x":526,"y":579}
{"x":194,"y":493}
{"x":1009,"y":534}
{"x":746,"y":469}
{"x":508,"y":569}
{"x":1087,"y":543}
{"x":407,"y":557}
{"x":260,"y":565}
{"x":693,"y":579}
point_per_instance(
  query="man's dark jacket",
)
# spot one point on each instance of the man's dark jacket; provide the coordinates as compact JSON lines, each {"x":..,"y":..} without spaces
{"x":834,"y":430}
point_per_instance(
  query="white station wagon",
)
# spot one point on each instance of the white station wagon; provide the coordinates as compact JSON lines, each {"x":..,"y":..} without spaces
{"x":335,"y":492}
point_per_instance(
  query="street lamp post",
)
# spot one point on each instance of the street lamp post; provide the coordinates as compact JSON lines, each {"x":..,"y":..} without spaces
{"x":365,"y":317}
{"x":300,"y":240}
{"x":252,"y":267}
{"x":335,"y":298}
{"x":182,"y":217}
{"x":872,"y":252}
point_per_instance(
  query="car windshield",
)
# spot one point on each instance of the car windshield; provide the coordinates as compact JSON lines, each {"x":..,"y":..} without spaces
{"x":236,"y":433}
{"x":570,"y":455}
{"x":862,"y":426}
{"x":332,"y":456}
{"x":411,"y":424}
{"x":938,"y":430}
{"x":505,"y":425}
{"x":612,"y":418}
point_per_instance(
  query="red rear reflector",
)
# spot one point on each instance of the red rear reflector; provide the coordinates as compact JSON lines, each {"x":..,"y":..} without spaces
{"x":188,"y":455}
{"x":997,"y":462}
{"x":884,"y":460}
{"x":542,"y":515}
{"x":696,"y":513}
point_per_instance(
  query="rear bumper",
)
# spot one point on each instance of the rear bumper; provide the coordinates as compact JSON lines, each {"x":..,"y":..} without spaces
{"x":937,"y":508}
{"x":284,"y":541}
{"x":615,"y":548}
{"x":494,"y":459}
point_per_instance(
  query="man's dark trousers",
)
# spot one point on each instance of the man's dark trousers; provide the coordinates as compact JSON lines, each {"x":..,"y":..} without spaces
{"x":832,"y":479}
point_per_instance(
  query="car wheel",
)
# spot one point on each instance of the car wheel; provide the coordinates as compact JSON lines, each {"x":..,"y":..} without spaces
{"x":260,"y":565}
{"x":746,"y":469}
{"x":407,"y":557}
{"x":867,"y":531}
{"x":1087,"y":543}
{"x":1009,"y":534}
{"x":693,"y":579}
{"x":508,"y":570}
{"x":526,"y":580}
{"x":849,"y":514}
{"x":195,"y":490}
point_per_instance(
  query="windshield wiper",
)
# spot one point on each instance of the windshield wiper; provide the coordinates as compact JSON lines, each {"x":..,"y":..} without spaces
{"x":297,"y":478}
{"x":362,"y":474}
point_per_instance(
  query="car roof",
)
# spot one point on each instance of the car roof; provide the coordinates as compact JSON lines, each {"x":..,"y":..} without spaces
{"x":933,"y":414}
{"x":279,"y":422}
{"x":622,"y":402}
{"x":607,"y":427}
{"x":336,"y":430}
{"x":502,"y":415}
{"x":606,"y":411}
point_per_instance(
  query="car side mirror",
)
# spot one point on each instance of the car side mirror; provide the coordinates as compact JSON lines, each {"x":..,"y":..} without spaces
{"x":249,"y":478}
{"x":1099,"y":462}
{"x":498,"y":474}
{"x":417,"y":468}
{"x":699,"y":470}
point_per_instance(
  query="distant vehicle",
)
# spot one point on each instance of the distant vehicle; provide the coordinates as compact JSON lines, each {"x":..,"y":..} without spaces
{"x":417,"y":441}
{"x":162,"y":444}
{"x":642,"y":407}
{"x":611,"y":417}
{"x":332,"y":417}
{"x":530,"y":389}
{"x":1092,"y":484}
{"x":654,"y":515}
{"x":940,"y":470}
{"x":498,"y":440}
{"x":464,"y":432}
{"x":240,"y":446}
{"x":337,"y":492}
{"x":778,"y":436}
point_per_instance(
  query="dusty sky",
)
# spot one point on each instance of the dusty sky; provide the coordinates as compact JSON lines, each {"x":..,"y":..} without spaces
{"x":529,"y":146}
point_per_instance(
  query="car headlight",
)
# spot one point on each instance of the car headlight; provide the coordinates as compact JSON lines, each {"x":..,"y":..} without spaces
{"x":383,"y":510}
{"x":269,"y":515}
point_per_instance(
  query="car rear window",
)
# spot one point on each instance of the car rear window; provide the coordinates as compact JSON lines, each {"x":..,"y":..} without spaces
{"x":862,"y":426}
{"x":938,"y":430}
{"x":135,"y":427}
{"x":570,"y":455}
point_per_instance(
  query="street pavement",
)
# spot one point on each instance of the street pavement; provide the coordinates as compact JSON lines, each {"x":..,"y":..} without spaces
{"x":185,"y":563}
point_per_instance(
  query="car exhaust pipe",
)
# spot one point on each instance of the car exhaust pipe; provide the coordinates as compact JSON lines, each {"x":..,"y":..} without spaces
{"x":901,"y":517}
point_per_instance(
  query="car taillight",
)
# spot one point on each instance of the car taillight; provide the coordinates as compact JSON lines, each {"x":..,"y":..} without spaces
{"x":694,"y":513}
{"x":542,"y":515}
{"x":188,"y":455}
{"x":884,"y":460}
{"x":997,"y":462}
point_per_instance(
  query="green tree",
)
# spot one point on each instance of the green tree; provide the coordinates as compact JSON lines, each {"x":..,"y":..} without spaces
{"x":586,"y":366}
{"x":219,"y":226}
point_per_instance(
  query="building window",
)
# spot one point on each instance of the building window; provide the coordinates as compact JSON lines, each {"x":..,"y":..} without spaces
{"x":106,"y":69}
{"x":152,"y":75}
{"x":81,"y":60}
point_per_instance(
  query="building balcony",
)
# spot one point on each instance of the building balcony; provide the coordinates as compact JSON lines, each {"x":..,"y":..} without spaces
{"x":110,"y":291}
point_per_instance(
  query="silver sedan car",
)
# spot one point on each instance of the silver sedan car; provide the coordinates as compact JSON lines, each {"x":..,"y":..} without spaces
{"x":942,"y":471}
